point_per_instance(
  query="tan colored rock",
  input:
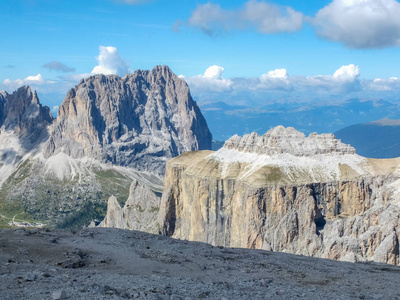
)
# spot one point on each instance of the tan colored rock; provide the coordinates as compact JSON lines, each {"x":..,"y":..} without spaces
{"x":275,"y":202}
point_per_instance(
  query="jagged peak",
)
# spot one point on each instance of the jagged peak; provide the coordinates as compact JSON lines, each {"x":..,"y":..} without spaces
{"x":157,"y":72}
{"x":281,"y":140}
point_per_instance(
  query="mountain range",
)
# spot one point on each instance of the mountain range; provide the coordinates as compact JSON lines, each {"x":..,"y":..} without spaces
{"x":226,"y":120}
{"x":135,"y":153}
{"x":377,"y":139}
{"x":108,"y":132}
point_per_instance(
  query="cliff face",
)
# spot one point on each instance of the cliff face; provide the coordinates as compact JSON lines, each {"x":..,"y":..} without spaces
{"x":23,"y":126}
{"x":140,"y":120}
{"x":139,"y":212}
{"x":22,"y":115}
{"x":313,"y":198}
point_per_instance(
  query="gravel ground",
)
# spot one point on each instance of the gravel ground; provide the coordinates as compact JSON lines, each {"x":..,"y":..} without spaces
{"x":104,"y":263}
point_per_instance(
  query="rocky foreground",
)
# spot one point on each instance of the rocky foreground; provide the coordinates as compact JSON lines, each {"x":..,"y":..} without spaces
{"x":100,"y":263}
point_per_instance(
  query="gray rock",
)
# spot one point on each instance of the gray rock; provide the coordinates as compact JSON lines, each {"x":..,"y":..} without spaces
{"x":140,"y":120}
{"x":31,"y":276}
{"x":140,"y":211}
{"x":60,"y":294}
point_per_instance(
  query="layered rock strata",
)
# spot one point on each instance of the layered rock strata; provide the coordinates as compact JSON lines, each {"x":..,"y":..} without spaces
{"x":286,"y":192}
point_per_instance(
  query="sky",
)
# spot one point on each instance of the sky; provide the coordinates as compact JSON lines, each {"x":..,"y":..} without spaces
{"x":240,"y":52}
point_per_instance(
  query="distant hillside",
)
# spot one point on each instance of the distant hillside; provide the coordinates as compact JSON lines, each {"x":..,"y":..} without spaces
{"x":378,"y":139}
{"x":226,"y":120}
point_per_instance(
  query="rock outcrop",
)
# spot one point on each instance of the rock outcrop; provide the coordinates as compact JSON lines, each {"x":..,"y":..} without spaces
{"x":23,"y":127}
{"x":140,"y":120}
{"x":286,"y":192}
{"x":140,"y":211}
{"x":22,"y":115}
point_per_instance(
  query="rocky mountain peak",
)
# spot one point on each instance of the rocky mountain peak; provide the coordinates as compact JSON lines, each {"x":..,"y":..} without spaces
{"x":22,"y":113}
{"x":140,"y":120}
{"x":281,"y":140}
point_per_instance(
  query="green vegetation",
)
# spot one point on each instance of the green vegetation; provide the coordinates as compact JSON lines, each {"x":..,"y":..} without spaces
{"x":67,"y":203}
{"x":88,"y":212}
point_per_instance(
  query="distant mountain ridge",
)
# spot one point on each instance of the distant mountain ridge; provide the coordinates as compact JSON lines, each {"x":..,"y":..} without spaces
{"x":226,"y":119}
{"x":377,"y":139}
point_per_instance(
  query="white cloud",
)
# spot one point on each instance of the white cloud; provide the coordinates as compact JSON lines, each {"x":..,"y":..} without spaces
{"x":381,"y":84}
{"x":343,"y":80}
{"x":275,"y":79}
{"x":214,"y":72}
{"x":211,"y":80}
{"x":276,"y":84}
{"x":275,"y":74}
{"x":347,"y":73}
{"x":54,"y":110}
{"x":264,"y":17}
{"x":30,"y":80}
{"x":360,"y":23}
{"x":271,"y":18}
{"x":110,"y":62}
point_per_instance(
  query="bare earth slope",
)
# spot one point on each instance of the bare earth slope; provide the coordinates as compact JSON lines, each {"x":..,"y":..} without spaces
{"x":116,"y":264}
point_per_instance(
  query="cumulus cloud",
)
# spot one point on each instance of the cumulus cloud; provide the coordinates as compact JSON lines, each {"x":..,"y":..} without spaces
{"x":58,"y":67}
{"x":211,"y":80}
{"x":30,"y":80}
{"x":214,"y":72}
{"x":110,"y":62}
{"x":264,"y":17}
{"x":277,"y":84}
{"x":382,"y":84}
{"x":347,"y":73}
{"x":360,"y":23}
{"x":343,"y":80}
{"x":275,"y":79}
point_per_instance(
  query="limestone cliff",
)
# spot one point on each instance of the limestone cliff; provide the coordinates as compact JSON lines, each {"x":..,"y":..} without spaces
{"x":286,"y":192}
{"x":140,"y":120}
{"x":140,"y":211}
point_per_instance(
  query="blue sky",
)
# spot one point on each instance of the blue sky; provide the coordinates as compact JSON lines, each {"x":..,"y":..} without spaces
{"x":273,"y":50}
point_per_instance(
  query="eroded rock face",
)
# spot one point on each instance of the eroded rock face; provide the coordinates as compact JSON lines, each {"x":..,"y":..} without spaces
{"x":22,"y":114}
{"x":23,"y":127}
{"x":288,"y":140}
{"x":140,"y":120}
{"x":140,"y":211}
{"x":333,"y":204}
